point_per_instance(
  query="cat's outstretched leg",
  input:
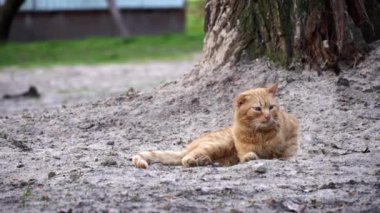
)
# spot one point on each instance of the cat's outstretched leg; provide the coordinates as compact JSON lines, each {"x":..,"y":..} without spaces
{"x":143,"y":159}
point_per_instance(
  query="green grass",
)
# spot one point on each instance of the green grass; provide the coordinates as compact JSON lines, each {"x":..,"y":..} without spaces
{"x":109,"y":50}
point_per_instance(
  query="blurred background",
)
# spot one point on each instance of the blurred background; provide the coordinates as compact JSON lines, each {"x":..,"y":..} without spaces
{"x":73,"y":51}
{"x":50,"y":32}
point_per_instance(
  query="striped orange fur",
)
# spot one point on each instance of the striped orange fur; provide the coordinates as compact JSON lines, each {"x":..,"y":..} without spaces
{"x":261,"y":130}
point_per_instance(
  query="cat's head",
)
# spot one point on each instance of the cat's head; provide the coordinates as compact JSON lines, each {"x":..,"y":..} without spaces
{"x":258,"y":108}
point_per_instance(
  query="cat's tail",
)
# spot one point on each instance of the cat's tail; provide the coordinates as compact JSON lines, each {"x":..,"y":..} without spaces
{"x":143,"y":159}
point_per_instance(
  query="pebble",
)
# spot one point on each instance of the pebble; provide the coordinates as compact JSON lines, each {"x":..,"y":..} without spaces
{"x":203,"y":190}
{"x":343,"y":82}
{"x":330,"y":185}
{"x":108,"y":162}
{"x":294,"y":205}
{"x":51,"y":174}
{"x":308,"y":137}
{"x":261,"y":169}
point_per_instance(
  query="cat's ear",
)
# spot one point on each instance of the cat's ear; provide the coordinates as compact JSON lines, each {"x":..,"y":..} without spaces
{"x":240,"y":100}
{"x":273,"y":89}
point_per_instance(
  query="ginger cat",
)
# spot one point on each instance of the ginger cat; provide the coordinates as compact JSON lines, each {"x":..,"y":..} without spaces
{"x":261,"y":130}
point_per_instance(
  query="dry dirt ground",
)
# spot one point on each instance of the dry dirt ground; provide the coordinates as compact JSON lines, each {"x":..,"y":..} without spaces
{"x":68,"y":85}
{"x":77,"y":158}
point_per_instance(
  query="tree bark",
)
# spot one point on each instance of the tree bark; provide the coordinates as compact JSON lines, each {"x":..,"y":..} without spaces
{"x":118,"y":19}
{"x":7,"y":12}
{"x":317,"y":32}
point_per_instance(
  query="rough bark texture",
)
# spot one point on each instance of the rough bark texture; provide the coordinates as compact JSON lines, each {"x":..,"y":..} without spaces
{"x":319,"y":33}
{"x":7,"y":13}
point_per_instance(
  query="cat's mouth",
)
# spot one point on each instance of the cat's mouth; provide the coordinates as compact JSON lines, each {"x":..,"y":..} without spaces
{"x":265,"y":125}
{"x":267,"y":122}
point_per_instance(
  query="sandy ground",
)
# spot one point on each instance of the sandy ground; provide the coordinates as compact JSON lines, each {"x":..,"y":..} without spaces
{"x":77,"y":158}
{"x":70,"y":85}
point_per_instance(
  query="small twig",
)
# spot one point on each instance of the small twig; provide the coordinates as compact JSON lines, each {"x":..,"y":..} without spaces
{"x":20,"y":144}
{"x":350,"y":151}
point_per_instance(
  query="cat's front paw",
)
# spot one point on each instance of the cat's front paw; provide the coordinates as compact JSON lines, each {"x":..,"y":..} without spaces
{"x":196,"y":160}
{"x":248,"y":157}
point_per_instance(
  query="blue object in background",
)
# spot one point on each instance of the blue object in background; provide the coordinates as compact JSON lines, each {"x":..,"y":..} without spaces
{"x":64,"y":5}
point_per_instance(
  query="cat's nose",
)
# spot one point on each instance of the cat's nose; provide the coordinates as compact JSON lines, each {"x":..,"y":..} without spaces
{"x":267,"y":117}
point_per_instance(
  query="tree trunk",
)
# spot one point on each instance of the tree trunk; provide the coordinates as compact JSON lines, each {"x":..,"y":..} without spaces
{"x":319,"y":33}
{"x":118,"y":19}
{"x":7,"y":13}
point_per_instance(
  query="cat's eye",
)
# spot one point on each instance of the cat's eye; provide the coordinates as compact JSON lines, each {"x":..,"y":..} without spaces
{"x":257,"y":109}
{"x":271,"y":107}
